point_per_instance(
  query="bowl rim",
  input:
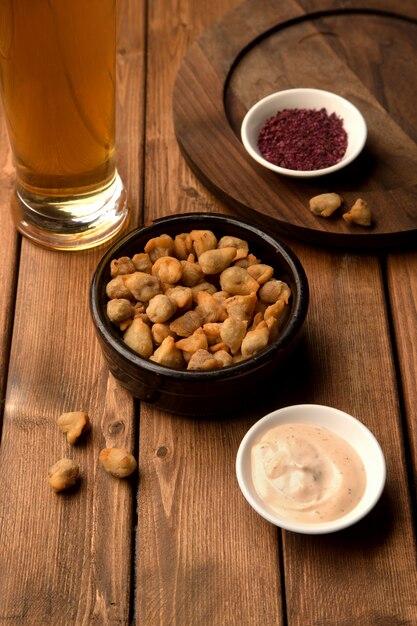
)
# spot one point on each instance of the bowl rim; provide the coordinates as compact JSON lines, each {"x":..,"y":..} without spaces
{"x":356,"y":514}
{"x":361,"y":124}
{"x":290,"y":331}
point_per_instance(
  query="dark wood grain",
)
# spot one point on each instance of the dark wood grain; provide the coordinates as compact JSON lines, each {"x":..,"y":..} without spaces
{"x":193,"y":569}
{"x":66,"y":559}
{"x":357,"y":50}
{"x":9,"y":244}
{"x":202,"y":556}
{"x":197,"y":561}
{"x":357,"y":576}
{"x":402,"y":286}
{"x":194,"y":561}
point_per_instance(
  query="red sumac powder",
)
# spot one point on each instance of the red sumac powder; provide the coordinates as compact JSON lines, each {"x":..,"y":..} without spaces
{"x":303,"y":139}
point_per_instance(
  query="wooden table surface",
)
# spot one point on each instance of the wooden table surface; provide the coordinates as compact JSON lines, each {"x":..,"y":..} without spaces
{"x":179,"y":545}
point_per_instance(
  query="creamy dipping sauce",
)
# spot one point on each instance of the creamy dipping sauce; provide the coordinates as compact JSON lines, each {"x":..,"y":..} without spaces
{"x":307,"y":473}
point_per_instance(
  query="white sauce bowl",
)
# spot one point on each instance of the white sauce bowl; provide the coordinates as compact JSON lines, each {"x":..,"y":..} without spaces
{"x":341,"y":424}
{"x":304,"y":98}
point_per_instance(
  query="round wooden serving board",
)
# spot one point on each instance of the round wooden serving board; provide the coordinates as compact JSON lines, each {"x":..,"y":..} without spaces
{"x":363,"y":50}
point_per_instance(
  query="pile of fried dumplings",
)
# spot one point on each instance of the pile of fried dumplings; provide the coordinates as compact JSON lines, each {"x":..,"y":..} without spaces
{"x":196,"y":302}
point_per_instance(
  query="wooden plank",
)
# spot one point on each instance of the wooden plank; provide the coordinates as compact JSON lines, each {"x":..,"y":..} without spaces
{"x":66,"y":559}
{"x":194,"y":561}
{"x":10,"y":247}
{"x":366,"y":574}
{"x":186,"y":573}
{"x":204,"y":557}
{"x":402,"y":286}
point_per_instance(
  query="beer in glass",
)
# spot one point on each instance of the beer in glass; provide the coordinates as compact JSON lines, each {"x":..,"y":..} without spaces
{"x":57,"y":78}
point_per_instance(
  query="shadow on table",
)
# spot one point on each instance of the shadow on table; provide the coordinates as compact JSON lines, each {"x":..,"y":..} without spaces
{"x":370,"y":533}
{"x":290,"y":383}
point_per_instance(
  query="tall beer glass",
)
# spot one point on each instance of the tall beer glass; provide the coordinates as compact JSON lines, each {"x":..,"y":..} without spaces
{"x":57,"y":77}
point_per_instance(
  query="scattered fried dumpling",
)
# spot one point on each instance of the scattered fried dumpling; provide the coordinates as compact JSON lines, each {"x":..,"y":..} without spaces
{"x":168,"y":354}
{"x":360,"y":213}
{"x":203,"y":240}
{"x":183,"y":246}
{"x":124,"y":265}
{"x":159,"y":332}
{"x":139,"y":337}
{"x":232,"y":332}
{"x":212,"y":332}
{"x":161,"y":308}
{"x":238,"y":282}
{"x":192,"y":274}
{"x":203,"y":360}
{"x":255,"y":340}
{"x":168,"y":269}
{"x":215,"y":261}
{"x":260,"y":272}
{"x":159,"y":246}
{"x":274,"y":290}
{"x":185,"y":325}
{"x":241,"y":307}
{"x":182,"y":296}
{"x":210,"y":309}
{"x":241,"y":246}
{"x":196,"y":341}
{"x":325,"y":204}
{"x":142,"y":286}
{"x":223,"y":357}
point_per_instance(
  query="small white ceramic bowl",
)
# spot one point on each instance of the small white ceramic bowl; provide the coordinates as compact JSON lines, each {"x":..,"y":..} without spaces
{"x":341,"y":424}
{"x":304,"y":98}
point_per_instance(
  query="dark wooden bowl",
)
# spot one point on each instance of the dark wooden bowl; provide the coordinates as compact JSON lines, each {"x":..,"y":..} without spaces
{"x":196,"y":392}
